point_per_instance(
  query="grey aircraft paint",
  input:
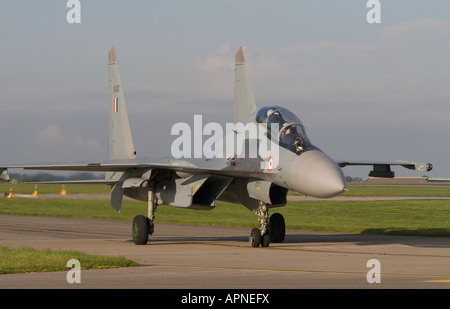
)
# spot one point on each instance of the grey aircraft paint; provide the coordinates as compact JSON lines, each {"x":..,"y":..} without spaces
{"x":198,"y":183}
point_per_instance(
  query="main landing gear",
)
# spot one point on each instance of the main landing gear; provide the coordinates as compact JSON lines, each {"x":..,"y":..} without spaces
{"x":143,"y":226}
{"x":273,"y":230}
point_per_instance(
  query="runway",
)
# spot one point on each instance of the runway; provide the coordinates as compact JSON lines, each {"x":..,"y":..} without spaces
{"x":211,"y":257}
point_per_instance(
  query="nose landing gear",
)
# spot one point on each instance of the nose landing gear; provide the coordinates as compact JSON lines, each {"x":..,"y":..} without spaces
{"x":273,"y":230}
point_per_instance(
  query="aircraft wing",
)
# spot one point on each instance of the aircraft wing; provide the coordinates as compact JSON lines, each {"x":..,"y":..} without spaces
{"x":383,"y":168}
{"x":88,"y":167}
{"x":380,"y":168}
{"x":238,"y":168}
{"x":217,"y":173}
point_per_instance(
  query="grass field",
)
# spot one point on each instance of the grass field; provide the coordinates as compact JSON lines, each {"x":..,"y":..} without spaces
{"x":415,"y":217}
{"x":24,"y":188}
{"x":354,"y":190}
{"x":412,"y":217}
{"x":25,"y":260}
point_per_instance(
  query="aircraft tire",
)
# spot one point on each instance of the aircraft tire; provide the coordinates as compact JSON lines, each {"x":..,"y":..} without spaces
{"x":140,"y":230}
{"x":277,"y":228}
{"x":255,"y":238}
{"x":265,"y":240}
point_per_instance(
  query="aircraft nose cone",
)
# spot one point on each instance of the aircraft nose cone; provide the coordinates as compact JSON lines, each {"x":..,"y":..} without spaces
{"x":315,"y":174}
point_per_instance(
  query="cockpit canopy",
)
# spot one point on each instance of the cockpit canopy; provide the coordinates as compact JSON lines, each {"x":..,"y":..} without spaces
{"x":290,"y":131}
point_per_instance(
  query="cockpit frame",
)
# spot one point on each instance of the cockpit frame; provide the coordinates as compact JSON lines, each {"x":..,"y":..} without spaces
{"x":289,"y":131}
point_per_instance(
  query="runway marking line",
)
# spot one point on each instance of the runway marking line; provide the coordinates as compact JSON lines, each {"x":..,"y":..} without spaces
{"x":283,"y":248}
{"x":298,"y":271}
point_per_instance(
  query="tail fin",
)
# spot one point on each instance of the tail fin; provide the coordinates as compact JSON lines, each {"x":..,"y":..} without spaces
{"x":244,"y":102}
{"x":120,"y":139}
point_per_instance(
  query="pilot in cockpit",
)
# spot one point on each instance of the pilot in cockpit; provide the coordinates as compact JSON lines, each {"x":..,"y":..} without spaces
{"x":284,"y":126}
{"x":274,"y":116}
{"x":287,"y":132}
{"x":291,"y":137}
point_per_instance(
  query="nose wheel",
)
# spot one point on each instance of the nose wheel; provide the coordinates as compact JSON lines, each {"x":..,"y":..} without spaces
{"x":273,"y":230}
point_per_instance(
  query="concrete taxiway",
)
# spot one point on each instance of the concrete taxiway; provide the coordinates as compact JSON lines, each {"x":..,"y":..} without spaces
{"x":211,"y":257}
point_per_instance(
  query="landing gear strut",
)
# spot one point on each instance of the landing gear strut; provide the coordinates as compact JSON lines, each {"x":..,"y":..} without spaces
{"x":273,"y":230}
{"x":143,"y":226}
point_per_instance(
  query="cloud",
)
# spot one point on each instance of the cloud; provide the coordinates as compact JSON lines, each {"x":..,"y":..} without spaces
{"x":49,"y":135}
{"x":222,"y":58}
{"x":64,"y":147}
{"x":214,"y":73}
{"x":429,"y":30}
{"x":268,"y":3}
{"x":412,"y":37}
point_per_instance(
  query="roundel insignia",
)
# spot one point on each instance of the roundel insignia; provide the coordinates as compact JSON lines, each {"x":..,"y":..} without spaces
{"x":270,"y":164}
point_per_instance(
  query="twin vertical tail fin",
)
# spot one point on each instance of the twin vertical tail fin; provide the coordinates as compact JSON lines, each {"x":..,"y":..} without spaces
{"x":120,"y":140}
{"x":244,"y":102}
{"x":121,"y":145}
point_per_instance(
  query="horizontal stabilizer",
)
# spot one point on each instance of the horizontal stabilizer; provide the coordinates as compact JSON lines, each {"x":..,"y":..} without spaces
{"x":383,"y":168}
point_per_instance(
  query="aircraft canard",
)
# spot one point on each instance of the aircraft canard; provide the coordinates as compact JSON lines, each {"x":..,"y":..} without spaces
{"x":258,"y":182}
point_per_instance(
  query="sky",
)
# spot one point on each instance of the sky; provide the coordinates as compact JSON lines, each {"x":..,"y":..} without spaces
{"x":363,"y":91}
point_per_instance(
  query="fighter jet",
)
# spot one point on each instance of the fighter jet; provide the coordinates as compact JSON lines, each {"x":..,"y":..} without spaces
{"x":259,"y":182}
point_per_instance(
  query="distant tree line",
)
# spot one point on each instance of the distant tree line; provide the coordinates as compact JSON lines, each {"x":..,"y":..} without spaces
{"x":353,"y":179}
{"x":51,"y":177}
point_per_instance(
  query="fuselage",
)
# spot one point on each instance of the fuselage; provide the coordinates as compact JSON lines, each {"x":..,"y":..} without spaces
{"x":296,"y":163}
{"x":259,"y":159}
